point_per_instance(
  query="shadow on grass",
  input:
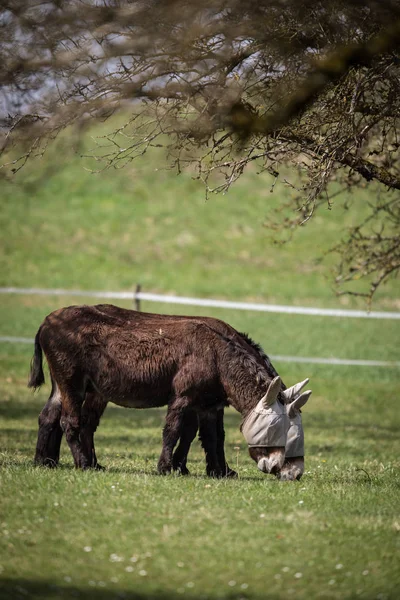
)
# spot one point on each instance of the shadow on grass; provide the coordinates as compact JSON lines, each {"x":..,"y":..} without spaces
{"x":21,"y":589}
{"x":338,"y":419}
{"x":10,"y":411}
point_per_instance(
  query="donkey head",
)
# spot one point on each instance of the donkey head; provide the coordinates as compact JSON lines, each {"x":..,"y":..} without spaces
{"x":293,"y":467}
{"x":273,"y":430}
{"x":265,"y":430}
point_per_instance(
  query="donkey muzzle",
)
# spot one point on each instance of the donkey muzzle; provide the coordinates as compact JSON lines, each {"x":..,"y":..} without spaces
{"x":272,"y":463}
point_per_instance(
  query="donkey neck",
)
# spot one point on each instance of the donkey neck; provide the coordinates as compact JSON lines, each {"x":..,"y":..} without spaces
{"x":245,"y":380}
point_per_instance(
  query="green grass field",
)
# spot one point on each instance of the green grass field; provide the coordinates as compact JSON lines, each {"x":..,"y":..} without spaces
{"x":128,"y":533}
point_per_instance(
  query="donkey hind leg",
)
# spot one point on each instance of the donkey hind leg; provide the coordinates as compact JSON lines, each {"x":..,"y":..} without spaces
{"x":92,"y":410}
{"x":227,"y":471}
{"x":50,"y":432}
{"x":72,"y":401}
{"x":208,"y":438}
{"x":171,"y":433}
{"x":187,"y":434}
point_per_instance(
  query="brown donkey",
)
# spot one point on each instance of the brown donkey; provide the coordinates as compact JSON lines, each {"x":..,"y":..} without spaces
{"x":149,"y":361}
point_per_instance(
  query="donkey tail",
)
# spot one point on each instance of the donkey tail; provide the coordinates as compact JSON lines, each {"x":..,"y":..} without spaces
{"x":36,"y":378}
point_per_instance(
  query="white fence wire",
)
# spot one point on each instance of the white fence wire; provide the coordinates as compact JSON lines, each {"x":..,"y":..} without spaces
{"x":252,"y":306}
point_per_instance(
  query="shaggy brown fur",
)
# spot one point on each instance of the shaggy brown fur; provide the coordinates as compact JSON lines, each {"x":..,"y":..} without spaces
{"x":141,"y":360}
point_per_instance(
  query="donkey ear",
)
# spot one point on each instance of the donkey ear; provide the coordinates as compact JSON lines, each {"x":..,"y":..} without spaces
{"x":272,"y":392}
{"x":290,"y":393}
{"x":300,"y":401}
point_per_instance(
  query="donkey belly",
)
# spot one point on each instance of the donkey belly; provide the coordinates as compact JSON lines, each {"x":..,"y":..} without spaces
{"x":137,"y":402}
{"x":135,"y":394}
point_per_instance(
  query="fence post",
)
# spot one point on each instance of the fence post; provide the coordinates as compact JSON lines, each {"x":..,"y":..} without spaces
{"x":136,"y":300}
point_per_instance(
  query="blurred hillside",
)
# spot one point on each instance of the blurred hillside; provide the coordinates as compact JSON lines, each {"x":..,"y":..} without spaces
{"x":64,"y":226}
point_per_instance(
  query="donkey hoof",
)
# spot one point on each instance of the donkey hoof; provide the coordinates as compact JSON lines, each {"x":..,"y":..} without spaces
{"x":98,"y":467}
{"x":45,"y":462}
{"x":231,"y":474}
{"x":215,"y":473}
{"x":163,"y":469}
{"x":182,"y":470}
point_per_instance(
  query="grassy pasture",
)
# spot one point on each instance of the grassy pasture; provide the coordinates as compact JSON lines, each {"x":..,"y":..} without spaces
{"x":127,"y":533}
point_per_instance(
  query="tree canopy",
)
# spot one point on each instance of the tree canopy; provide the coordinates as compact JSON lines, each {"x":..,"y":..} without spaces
{"x":222,"y":84}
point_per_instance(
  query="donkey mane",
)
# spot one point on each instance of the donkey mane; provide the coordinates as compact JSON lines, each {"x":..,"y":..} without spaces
{"x":259,"y":349}
{"x":256,"y":370}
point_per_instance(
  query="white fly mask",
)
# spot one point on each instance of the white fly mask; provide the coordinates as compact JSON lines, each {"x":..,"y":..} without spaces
{"x":295,"y":438}
{"x":268,"y":423}
{"x":293,"y":467}
{"x":294,"y":401}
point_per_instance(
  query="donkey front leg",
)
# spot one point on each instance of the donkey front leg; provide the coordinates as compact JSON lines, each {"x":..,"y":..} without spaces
{"x":227,"y":471}
{"x":209,"y":441}
{"x":171,"y":433}
{"x":50,"y":432}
